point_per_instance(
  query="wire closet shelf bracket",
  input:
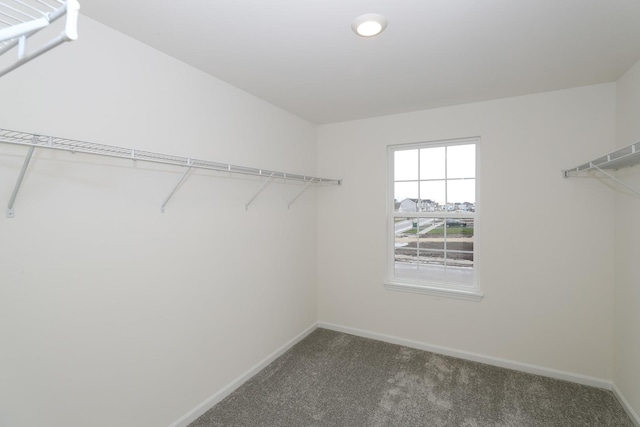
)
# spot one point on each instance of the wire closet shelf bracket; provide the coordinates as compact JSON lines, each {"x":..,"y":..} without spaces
{"x":622,"y":158}
{"x":33,"y":141}
{"x":20,"y":19}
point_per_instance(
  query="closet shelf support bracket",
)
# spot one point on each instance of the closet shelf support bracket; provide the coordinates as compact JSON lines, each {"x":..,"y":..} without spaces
{"x":16,"y":188}
{"x":625,"y":185}
{"x":182,"y":180}
{"x":306,"y":187}
{"x":265,"y":185}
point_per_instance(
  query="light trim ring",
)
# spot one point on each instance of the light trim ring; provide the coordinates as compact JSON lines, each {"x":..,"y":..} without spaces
{"x":369,"y":25}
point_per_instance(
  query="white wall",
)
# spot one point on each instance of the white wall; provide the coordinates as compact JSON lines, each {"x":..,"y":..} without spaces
{"x":627,"y":253}
{"x":111,"y":313}
{"x":545,"y":243}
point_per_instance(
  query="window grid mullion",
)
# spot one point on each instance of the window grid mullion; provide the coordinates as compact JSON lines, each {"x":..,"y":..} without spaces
{"x":446,"y":208}
{"x":418,"y":210}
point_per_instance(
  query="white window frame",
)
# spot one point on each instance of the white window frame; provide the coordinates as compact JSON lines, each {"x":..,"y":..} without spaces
{"x":466,"y":292}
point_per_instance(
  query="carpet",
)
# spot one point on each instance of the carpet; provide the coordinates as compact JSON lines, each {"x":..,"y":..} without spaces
{"x":335,"y":379}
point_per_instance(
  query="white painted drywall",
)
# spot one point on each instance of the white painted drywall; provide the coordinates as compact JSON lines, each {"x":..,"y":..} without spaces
{"x":545,"y":243}
{"x":111,"y":313}
{"x":627,"y":251}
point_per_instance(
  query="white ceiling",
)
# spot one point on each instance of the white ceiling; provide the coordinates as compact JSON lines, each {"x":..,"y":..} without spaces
{"x":302,"y":55}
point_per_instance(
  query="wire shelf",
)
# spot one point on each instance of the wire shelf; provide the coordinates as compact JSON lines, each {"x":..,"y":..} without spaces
{"x":74,"y":146}
{"x":624,"y":157}
{"x":20,"y":19}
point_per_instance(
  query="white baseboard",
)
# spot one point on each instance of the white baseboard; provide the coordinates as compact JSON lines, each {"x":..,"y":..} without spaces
{"x":196,"y":412}
{"x":627,"y":407}
{"x":192,"y":415}
{"x":503,"y":363}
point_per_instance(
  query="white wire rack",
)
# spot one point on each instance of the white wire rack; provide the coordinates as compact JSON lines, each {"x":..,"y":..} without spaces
{"x":34,"y":141}
{"x":622,"y":158}
{"x":20,"y":19}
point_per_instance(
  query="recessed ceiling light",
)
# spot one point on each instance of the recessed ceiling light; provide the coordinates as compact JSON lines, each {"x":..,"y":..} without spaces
{"x":369,"y":25}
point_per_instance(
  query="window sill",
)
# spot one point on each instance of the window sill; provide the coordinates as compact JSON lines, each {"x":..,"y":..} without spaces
{"x":464,"y":294}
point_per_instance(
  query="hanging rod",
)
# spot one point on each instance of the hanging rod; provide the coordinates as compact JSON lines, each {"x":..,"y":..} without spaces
{"x":63,"y":144}
{"x":20,"y":19}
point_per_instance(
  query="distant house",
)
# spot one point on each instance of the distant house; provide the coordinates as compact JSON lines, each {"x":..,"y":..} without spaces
{"x":467,"y":207}
{"x":417,"y":205}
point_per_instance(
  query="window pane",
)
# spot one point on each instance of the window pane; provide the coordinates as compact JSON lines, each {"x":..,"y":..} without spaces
{"x":432,"y":193}
{"x":432,"y":243}
{"x":461,"y":194}
{"x":405,"y":165}
{"x":406,"y":251}
{"x":461,"y":161}
{"x":424,"y":255}
{"x":411,"y":254}
{"x":432,"y":162}
{"x":460,"y":242}
{"x":406,"y":196}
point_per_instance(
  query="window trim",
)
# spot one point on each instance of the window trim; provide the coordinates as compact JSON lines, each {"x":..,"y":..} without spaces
{"x":470,"y":292}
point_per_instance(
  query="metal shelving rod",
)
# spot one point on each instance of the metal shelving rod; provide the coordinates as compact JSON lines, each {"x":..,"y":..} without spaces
{"x":63,"y":144}
{"x":33,"y":141}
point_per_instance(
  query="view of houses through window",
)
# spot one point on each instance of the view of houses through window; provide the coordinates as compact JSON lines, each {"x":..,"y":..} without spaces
{"x":434,"y":205}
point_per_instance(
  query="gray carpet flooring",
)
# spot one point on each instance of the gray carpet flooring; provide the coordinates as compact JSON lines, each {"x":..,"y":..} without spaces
{"x":336,"y":379}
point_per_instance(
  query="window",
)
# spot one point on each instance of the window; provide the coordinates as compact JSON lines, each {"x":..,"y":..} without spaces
{"x":432,"y":224}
